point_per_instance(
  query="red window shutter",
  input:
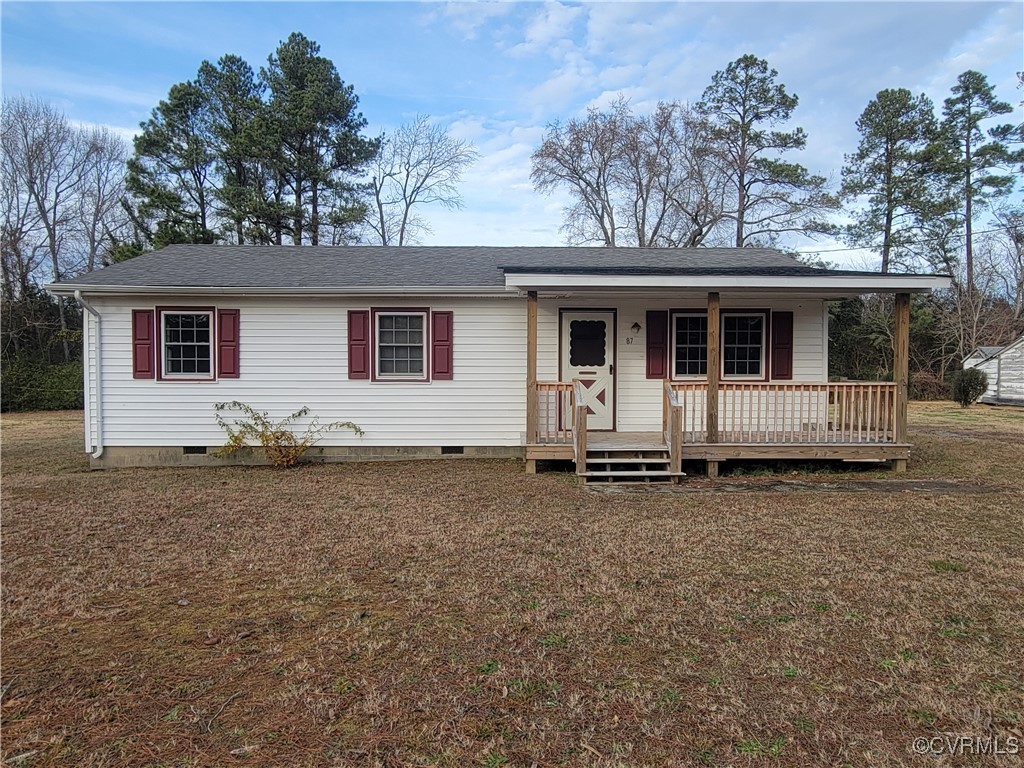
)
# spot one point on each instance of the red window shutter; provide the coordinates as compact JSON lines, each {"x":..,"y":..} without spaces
{"x":441,"y":353}
{"x":143,"y":344}
{"x":782,"y":345}
{"x":227,"y":344}
{"x":657,"y":345}
{"x":359,"y":344}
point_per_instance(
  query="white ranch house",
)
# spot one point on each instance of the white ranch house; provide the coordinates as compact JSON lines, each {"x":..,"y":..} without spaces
{"x":604,"y":356}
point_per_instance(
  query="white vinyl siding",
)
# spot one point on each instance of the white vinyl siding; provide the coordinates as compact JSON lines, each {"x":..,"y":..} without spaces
{"x":294,"y":353}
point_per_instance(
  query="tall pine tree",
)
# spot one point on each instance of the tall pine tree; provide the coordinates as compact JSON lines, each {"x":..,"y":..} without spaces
{"x":319,"y":129}
{"x":234,"y":107}
{"x":891,"y":171}
{"x":171,"y":174}
{"x":979,"y":159}
{"x":772,"y":196}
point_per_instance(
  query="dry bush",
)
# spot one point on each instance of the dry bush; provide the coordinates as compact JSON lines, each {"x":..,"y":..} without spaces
{"x":925,"y":385}
{"x":282,"y":445}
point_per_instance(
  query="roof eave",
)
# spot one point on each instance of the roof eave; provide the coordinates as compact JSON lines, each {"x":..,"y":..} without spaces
{"x":68,"y":289}
{"x":844,"y":284}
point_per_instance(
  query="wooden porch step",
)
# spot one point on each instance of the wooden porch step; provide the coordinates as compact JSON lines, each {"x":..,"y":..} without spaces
{"x":630,"y":458}
{"x":627,"y":460}
{"x":632,"y":473}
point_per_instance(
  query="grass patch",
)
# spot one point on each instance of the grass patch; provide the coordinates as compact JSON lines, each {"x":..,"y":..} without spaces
{"x":762,"y":748}
{"x":947,"y":566}
{"x":409,"y":613}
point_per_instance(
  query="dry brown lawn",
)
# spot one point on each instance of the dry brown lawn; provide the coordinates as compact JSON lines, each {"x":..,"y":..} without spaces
{"x":463,"y":613}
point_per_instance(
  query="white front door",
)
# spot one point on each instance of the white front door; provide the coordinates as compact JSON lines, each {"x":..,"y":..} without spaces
{"x":588,"y":354}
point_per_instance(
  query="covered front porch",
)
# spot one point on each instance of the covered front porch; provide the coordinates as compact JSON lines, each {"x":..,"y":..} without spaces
{"x":717,"y":419}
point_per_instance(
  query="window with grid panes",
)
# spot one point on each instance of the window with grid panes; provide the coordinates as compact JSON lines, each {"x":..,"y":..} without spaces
{"x":690,"y":348}
{"x":401,"y":345}
{"x":742,"y":345}
{"x":187,"y":344}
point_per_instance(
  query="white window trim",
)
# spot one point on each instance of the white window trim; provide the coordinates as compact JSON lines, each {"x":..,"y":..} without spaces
{"x":721,"y":333}
{"x":164,"y":373}
{"x":425,"y":375}
{"x":672,"y":344}
{"x":764,"y":333}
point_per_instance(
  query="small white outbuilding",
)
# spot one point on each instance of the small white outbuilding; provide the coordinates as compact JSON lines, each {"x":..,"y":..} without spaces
{"x":1004,"y":367}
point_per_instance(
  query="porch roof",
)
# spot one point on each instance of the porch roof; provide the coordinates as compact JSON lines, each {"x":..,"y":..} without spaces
{"x":792,"y":278}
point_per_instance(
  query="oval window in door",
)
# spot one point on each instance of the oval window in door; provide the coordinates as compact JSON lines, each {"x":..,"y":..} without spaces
{"x":587,"y":343}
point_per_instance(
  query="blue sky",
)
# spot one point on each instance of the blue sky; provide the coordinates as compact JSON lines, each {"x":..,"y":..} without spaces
{"x":497,"y":73}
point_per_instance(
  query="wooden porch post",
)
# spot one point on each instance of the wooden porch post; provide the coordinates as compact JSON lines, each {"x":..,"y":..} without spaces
{"x":714,"y":364}
{"x":531,"y":376}
{"x":901,"y":370}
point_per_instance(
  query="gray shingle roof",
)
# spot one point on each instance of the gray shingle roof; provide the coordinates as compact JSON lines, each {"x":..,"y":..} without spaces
{"x":245,"y":266}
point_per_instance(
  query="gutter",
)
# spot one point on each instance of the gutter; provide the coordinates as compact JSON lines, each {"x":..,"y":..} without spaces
{"x":99,"y":372}
{"x":70,"y":289}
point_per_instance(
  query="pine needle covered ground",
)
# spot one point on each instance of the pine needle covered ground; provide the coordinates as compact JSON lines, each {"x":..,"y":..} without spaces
{"x":464,"y":613}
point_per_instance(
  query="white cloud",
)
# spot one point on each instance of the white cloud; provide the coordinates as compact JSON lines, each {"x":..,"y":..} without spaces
{"x":468,"y":18}
{"x":1002,"y":37}
{"x":126,"y":134}
{"x":553,"y":23}
{"x":32,"y":79}
{"x":558,"y":93}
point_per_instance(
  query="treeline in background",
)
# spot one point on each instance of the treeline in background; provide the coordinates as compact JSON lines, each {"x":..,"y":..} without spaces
{"x":280,"y":155}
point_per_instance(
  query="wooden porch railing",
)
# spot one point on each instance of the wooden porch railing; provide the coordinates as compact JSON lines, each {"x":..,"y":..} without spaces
{"x":819,"y":412}
{"x":825,"y":412}
{"x":579,"y":431}
{"x":554,"y":411}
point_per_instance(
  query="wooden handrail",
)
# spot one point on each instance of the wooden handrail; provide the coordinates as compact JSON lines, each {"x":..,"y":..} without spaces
{"x":579,"y":428}
{"x":673,"y":427}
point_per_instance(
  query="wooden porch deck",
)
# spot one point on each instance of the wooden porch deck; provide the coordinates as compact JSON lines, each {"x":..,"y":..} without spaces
{"x":728,"y":447}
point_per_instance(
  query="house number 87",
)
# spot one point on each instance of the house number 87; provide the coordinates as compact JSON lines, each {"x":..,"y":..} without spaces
{"x":629,"y":339}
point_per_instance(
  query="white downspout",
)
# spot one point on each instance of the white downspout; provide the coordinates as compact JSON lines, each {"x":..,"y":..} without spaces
{"x":99,"y":372}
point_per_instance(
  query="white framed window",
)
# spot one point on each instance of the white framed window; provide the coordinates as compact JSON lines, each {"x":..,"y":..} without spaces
{"x":186,"y":344}
{"x":689,"y":345}
{"x":743,"y":342}
{"x":400,"y":341}
{"x":743,"y":337}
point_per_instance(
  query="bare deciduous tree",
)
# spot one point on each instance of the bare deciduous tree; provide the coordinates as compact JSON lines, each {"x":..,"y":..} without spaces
{"x":1007,"y":244}
{"x":638,"y":180}
{"x":102,"y":220}
{"x":580,"y":157}
{"x":420,"y":164}
{"x":62,"y":188}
